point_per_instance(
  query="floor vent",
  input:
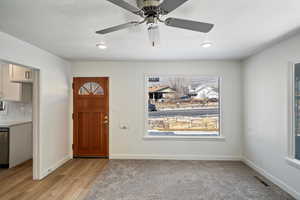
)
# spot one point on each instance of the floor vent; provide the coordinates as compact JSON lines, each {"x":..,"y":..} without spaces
{"x":262,"y":181}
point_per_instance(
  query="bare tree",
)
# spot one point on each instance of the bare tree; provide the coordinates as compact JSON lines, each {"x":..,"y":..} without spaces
{"x":180,"y":85}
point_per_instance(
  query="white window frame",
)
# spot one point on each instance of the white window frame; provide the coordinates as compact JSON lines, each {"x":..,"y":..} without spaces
{"x":291,"y":154}
{"x":146,"y":136}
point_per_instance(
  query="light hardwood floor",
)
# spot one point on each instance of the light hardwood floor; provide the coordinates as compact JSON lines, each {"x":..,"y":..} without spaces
{"x":71,"y":181}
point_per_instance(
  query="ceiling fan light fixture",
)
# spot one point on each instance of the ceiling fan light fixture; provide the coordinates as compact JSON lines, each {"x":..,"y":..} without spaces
{"x":153,"y":32}
{"x":206,"y":44}
{"x":101,"y":46}
{"x":151,"y":12}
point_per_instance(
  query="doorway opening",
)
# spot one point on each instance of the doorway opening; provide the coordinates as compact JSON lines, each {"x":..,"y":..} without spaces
{"x":19,"y":118}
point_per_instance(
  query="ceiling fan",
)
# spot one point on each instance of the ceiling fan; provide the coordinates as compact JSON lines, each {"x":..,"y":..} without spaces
{"x":152,"y":11}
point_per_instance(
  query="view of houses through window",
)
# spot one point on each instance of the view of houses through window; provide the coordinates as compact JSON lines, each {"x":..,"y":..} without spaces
{"x":183,"y":106}
{"x":297,"y":111}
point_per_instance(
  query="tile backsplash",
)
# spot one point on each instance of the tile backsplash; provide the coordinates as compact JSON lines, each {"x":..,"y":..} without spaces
{"x":16,"y":111}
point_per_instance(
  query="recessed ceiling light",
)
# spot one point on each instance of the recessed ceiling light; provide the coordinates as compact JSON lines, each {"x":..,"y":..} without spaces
{"x":101,"y":46}
{"x":206,"y":44}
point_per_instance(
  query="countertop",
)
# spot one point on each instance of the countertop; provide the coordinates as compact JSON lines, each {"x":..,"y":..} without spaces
{"x":9,"y":123}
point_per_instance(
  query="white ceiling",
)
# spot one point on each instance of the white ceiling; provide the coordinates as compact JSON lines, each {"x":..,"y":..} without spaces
{"x":67,"y":28}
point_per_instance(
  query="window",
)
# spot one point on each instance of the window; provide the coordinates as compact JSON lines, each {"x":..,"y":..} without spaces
{"x":182,"y":106}
{"x":296,"y":113}
{"x":91,"y":88}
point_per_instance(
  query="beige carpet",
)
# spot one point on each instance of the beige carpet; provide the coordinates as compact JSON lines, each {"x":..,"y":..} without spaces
{"x":182,"y":180}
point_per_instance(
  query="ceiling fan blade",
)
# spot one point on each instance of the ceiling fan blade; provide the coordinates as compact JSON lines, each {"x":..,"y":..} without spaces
{"x":189,"y":24}
{"x":168,"y":6}
{"x":117,"y":28}
{"x":126,"y":6}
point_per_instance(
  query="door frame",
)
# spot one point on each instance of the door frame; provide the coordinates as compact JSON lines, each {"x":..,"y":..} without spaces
{"x":73,"y":110}
{"x":36,"y":161}
{"x":36,"y":138}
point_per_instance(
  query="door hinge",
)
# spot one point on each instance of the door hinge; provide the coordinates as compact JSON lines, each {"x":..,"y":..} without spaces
{"x":73,"y":116}
{"x":73,"y":86}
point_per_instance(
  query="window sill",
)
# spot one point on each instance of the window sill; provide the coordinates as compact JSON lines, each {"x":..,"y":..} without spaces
{"x":183,"y":138}
{"x":293,"y":162}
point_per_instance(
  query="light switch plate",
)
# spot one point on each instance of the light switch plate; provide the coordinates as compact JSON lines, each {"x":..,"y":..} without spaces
{"x":124,"y":126}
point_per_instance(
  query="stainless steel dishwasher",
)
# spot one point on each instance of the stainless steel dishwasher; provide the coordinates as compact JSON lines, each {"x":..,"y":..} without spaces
{"x":4,"y":147}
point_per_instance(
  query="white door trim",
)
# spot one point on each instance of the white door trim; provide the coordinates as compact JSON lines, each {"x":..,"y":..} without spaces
{"x":36,"y":128}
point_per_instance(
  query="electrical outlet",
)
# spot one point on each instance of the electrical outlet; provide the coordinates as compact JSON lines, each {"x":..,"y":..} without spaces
{"x":3,"y":108}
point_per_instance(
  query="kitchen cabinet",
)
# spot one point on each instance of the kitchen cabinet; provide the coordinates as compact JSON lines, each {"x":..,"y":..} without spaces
{"x":20,"y":74}
{"x":20,"y":144}
{"x":12,"y":91}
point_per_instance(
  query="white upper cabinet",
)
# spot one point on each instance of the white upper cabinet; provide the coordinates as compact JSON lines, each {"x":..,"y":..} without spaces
{"x":12,"y":91}
{"x":20,"y":74}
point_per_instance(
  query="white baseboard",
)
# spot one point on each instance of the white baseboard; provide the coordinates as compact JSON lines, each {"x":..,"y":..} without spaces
{"x":55,"y":166}
{"x":172,"y":157}
{"x":272,"y":178}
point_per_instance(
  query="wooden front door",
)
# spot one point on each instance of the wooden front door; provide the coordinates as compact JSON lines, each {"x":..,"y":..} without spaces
{"x":90,"y":118}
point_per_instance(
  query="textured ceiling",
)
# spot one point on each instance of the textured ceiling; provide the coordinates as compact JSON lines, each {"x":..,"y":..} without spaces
{"x":66,"y":28}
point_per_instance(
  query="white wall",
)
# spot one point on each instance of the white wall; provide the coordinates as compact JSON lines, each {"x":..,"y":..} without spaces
{"x":54,"y":98}
{"x":127,"y":106}
{"x":265,"y":113}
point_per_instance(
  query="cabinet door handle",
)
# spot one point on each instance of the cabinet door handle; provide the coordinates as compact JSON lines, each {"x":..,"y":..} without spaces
{"x":27,"y":75}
